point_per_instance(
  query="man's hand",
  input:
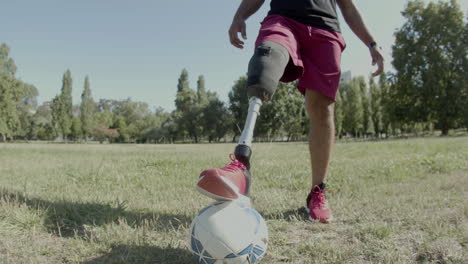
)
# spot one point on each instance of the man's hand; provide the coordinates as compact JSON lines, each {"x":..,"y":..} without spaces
{"x":355,"y":22}
{"x":245,"y":10}
{"x":237,"y":26}
{"x":377,"y":58}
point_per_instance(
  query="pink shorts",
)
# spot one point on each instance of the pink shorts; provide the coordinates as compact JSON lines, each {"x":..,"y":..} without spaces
{"x":315,"y":53}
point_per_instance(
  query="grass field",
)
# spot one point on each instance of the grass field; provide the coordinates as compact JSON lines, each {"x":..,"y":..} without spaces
{"x":401,"y":201}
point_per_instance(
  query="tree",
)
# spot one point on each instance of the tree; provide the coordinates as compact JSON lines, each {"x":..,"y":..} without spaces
{"x":42,"y":120}
{"x":76,"y":131}
{"x":283,"y":114}
{"x":7,"y":64}
{"x":169,"y":129}
{"x":62,"y":107}
{"x":104,"y":118}
{"x":134,"y":115}
{"x":270,"y":120}
{"x":187,"y":109}
{"x":156,"y":131}
{"x":339,"y":114}
{"x":430,"y":59}
{"x":199,"y":109}
{"x":26,"y":104}
{"x":353,"y":118}
{"x":292,"y":112}
{"x":202,"y":96}
{"x":102,"y":133}
{"x":56,"y":108}
{"x":265,"y":127}
{"x":387,"y":102}
{"x":9,"y":119}
{"x":67,"y":103}
{"x":183,"y":83}
{"x":366,"y":111}
{"x":217,"y":120}
{"x":121,"y":127}
{"x":18,"y":99}
{"x":87,"y":110}
{"x":239,"y":104}
{"x":375,"y":106}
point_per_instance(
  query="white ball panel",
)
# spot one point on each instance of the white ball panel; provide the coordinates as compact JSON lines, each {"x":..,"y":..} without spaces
{"x":212,"y":244}
{"x":228,"y":222}
{"x":225,"y":228}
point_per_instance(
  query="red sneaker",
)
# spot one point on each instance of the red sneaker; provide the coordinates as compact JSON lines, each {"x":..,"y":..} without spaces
{"x":228,"y":183}
{"x":317,"y":205}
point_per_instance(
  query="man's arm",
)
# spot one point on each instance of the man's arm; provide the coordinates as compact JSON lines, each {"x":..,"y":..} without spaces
{"x":354,"y":20}
{"x":245,"y":10}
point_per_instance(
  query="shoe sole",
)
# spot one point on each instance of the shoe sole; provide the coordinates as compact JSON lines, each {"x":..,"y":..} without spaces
{"x":217,"y":188}
{"x":323,"y":221}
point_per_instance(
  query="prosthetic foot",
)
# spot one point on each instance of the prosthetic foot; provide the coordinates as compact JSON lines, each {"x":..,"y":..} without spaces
{"x":233,"y":181}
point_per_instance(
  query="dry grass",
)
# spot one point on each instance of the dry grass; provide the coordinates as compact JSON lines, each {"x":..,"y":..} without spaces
{"x":394,"y":202}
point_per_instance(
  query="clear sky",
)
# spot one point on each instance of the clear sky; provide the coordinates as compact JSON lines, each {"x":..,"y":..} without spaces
{"x":138,"y":48}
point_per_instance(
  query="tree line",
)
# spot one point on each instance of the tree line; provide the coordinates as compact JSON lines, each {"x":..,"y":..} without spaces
{"x":428,"y":91}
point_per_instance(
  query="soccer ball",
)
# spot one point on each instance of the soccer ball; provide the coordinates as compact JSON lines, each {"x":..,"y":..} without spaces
{"x":228,"y":233}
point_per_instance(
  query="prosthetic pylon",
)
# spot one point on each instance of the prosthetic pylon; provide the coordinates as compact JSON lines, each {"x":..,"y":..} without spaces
{"x":243,"y":150}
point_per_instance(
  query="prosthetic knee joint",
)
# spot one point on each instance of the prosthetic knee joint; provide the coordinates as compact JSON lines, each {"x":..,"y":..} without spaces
{"x":265,"y":70}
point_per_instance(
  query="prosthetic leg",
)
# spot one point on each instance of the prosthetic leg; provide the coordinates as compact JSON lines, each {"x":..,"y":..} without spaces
{"x":265,"y":70}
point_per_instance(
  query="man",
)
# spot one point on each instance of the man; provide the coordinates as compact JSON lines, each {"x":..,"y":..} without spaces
{"x":299,"y":39}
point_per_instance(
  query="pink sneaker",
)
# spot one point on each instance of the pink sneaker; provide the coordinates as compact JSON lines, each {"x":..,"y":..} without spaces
{"x":227,"y":183}
{"x":317,"y":206}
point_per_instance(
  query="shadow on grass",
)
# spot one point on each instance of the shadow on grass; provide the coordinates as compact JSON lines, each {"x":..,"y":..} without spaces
{"x":67,"y":219}
{"x":143,"y":254}
{"x":299,"y":214}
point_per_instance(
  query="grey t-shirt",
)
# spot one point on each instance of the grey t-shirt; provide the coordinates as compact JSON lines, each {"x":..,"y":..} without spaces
{"x":316,"y":13}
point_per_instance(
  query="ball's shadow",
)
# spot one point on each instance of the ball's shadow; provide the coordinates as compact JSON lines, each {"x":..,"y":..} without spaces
{"x":69,"y":219}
